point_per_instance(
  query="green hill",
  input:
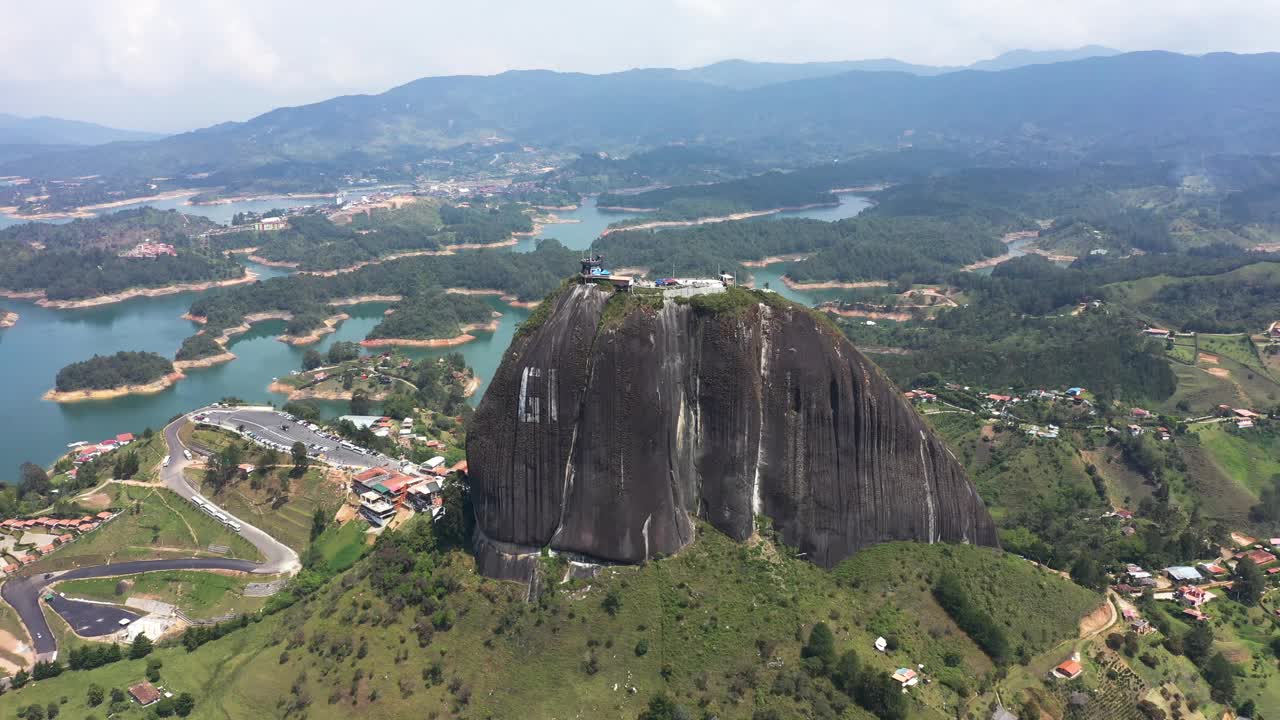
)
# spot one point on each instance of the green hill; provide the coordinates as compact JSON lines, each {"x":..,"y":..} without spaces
{"x":718,"y":628}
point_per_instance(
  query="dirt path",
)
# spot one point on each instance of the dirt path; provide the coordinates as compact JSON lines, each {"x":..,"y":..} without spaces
{"x":1098,"y":621}
{"x":195,"y":540}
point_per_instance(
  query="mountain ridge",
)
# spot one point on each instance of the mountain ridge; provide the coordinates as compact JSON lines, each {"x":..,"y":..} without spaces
{"x":1176,"y":104}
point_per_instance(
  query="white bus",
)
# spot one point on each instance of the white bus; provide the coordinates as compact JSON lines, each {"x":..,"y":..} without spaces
{"x":186,"y":454}
{"x":166,"y":460}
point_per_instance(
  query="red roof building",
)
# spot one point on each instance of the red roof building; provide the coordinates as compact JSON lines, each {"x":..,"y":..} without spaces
{"x":45,"y":549}
{"x":1069,"y":670}
{"x":123,"y":438}
{"x":145,"y":693}
{"x":1260,"y":558}
{"x":104,"y":515}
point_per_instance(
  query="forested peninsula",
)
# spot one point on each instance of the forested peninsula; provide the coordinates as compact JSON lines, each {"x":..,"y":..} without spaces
{"x":306,"y":300}
{"x":111,"y":258}
{"x":107,"y":376}
{"x":433,"y":319}
{"x":314,"y":243}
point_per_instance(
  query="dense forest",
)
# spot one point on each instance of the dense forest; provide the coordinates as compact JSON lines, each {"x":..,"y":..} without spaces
{"x":528,"y":276}
{"x":708,"y":249}
{"x":103,"y":372}
{"x":432,"y":314}
{"x":775,"y":189}
{"x":879,"y":247}
{"x":989,"y":346}
{"x":197,"y":347}
{"x":69,"y":275}
{"x":314,"y":243}
{"x":1246,"y":300}
{"x":122,"y":228}
{"x":1006,"y":337}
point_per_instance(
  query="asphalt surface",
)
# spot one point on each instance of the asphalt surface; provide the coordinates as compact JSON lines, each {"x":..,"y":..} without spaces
{"x":278,"y":557}
{"x":90,"y":619}
{"x":269,"y":426}
{"x":23,"y":593}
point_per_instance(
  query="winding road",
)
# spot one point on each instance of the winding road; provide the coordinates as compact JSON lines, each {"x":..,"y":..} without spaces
{"x":278,"y":557}
{"x":23,"y":593}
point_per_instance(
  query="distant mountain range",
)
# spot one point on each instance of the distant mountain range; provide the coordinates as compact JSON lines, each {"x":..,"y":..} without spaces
{"x":16,"y":130}
{"x":1147,"y":102}
{"x":743,"y":74}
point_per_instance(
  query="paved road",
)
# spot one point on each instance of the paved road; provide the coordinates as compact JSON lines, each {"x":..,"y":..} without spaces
{"x":279,"y":558}
{"x":23,"y":593}
{"x":271,"y":427}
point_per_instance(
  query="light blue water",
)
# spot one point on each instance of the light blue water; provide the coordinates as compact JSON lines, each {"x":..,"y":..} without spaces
{"x":44,"y":340}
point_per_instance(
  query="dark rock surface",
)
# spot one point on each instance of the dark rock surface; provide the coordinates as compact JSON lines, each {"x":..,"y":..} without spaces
{"x":607,"y":426}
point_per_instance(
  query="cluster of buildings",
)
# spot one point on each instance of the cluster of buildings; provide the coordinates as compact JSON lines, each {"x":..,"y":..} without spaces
{"x":86,"y":452}
{"x":1244,"y":418}
{"x":23,"y":542}
{"x":383,"y":492}
{"x":150,"y":250}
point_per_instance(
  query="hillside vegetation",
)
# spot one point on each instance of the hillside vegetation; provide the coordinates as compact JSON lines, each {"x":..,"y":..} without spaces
{"x":721,"y":628}
{"x":103,"y":372}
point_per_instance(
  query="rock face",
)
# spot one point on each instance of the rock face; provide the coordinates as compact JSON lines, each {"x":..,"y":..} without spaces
{"x":613,"y":421}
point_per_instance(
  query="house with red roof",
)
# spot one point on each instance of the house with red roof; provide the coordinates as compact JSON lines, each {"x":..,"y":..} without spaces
{"x":1193,"y":596}
{"x":104,"y":515}
{"x":124,"y":438}
{"x":45,"y":549}
{"x":1069,"y":670}
{"x":1261,"y":558}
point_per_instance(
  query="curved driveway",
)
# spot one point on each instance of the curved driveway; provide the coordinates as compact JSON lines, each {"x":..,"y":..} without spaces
{"x":278,"y":557}
{"x":23,"y":593}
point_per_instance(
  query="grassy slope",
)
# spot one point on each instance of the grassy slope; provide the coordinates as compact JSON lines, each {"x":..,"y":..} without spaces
{"x":166,"y":526}
{"x":199,"y":594}
{"x":1014,"y":470}
{"x":286,"y":517}
{"x":1250,"y":458}
{"x":701,"y":612}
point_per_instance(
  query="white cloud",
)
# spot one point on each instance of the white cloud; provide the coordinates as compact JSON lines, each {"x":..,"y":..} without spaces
{"x":160,"y":64}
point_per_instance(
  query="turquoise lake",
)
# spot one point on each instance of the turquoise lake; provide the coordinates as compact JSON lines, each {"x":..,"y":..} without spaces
{"x":45,"y":340}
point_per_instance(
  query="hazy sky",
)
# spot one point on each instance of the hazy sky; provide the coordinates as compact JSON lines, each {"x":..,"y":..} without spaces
{"x":178,"y":64}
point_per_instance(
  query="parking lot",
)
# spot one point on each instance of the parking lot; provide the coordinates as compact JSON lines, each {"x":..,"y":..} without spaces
{"x":275,"y":429}
{"x":91,"y":619}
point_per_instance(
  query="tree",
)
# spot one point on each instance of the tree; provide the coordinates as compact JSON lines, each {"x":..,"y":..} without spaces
{"x":845,"y":675}
{"x":300,"y":459}
{"x":662,"y":707}
{"x":1197,"y":643}
{"x":1221,"y":676}
{"x":612,"y":602}
{"x":34,"y":481}
{"x":94,"y":695}
{"x":360,"y":403}
{"x":312,"y":359}
{"x":126,"y":466}
{"x":1249,"y":583}
{"x":184,"y":704}
{"x":141,"y":647}
{"x":153,"y":669}
{"x":20,"y":678}
{"x":319,"y":521}
{"x":1086,"y":572}
{"x":819,"y":653}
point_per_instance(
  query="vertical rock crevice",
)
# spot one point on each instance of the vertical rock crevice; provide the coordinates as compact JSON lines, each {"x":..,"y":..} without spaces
{"x":603,"y":438}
